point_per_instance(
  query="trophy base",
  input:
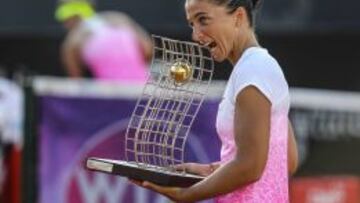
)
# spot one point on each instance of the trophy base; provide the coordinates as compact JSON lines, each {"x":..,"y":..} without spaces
{"x":149,"y":173}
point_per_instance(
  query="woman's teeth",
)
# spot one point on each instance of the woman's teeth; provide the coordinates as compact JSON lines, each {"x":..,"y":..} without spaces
{"x":207,"y":44}
{"x":210,"y":44}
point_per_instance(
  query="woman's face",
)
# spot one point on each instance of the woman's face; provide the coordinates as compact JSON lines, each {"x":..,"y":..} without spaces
{"x":212,"y":26}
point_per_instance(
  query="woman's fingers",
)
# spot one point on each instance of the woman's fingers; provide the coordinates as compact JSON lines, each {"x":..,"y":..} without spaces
{"x":136,"y":182}
{"x":154,"y":187}
{"x":170,"y":192}
{"x":183,"y":167}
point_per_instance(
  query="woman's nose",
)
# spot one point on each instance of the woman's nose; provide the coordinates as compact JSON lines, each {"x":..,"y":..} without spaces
{"x":197,"y":35}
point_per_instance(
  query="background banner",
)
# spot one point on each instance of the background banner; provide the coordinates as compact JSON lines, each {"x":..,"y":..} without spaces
{"x":74,"y":128}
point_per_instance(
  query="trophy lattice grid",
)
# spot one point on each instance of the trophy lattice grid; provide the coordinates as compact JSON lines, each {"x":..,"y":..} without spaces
{"x":162,"y":118}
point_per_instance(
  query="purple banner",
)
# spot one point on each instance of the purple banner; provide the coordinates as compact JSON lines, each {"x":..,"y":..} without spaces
{"x":72,"y":129}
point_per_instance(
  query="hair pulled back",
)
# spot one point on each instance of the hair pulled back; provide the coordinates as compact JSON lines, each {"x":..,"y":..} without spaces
{"x":250,"y":6}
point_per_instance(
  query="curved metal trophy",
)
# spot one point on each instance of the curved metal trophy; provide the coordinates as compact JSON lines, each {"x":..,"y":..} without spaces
{"x":155,"y":139}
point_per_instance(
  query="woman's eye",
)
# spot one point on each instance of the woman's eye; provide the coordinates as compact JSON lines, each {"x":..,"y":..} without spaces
{"x":203,"y":20}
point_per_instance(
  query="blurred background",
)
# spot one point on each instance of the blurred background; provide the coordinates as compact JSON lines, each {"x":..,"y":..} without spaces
{"x":47,"y":118}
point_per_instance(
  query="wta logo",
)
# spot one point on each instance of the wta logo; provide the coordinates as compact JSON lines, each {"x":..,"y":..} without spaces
{"x":84,"y":186}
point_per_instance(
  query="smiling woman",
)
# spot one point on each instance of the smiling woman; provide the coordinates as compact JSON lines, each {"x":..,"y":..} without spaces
{"x":258,"y":147}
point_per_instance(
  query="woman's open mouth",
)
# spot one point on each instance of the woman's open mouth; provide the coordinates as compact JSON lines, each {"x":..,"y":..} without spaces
{"x":212,"y":46}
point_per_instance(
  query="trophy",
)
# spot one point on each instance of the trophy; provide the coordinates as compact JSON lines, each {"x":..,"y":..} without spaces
{"x":155,"y":138}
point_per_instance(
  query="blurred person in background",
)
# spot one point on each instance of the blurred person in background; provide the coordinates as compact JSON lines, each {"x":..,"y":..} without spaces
{"x":110,"y":44}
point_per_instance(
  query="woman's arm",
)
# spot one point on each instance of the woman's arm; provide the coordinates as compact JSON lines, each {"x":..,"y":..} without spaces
{"x":292,"y":151}
{"x":252,"y":130}
{"x":70,"y":55}
{"x":198,"y":169}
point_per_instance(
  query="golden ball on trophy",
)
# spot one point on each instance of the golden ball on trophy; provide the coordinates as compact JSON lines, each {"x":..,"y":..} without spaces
{"x":180,"y":72}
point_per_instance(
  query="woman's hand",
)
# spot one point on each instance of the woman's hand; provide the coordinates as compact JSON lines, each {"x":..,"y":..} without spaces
{"x":174,"y":193}
{"x":178,"y":194}
{"x":197,"y":169}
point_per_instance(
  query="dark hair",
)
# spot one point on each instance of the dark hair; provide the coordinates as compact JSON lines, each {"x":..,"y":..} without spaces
{"x":250,"y":6}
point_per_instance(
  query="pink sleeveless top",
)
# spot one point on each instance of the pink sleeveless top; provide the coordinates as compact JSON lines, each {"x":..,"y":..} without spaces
{"x":113,"y":53}
{"x":257,"y":68}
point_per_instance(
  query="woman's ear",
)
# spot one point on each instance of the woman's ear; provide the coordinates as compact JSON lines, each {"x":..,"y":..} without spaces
{"x":240,"y":15}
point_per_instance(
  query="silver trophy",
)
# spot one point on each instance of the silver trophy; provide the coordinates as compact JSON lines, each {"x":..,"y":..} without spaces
{"x":159,"y":126}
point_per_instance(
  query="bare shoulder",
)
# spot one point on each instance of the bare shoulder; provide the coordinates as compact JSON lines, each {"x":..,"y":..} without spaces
{"x":252,"y":111}
{"x":252,"y":96}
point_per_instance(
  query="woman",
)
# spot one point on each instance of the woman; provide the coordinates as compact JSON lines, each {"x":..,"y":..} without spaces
{"x":258,"y":146}
{"x":111,"y":44}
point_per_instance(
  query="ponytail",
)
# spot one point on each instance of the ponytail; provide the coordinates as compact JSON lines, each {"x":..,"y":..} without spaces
{"x":250,"y":6}
{"x":255,"y":4}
